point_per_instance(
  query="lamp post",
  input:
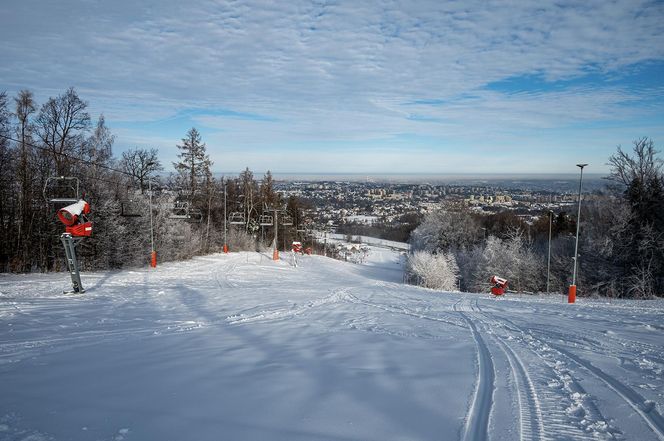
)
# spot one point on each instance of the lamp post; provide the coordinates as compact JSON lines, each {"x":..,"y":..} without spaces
{"x":225,"y":220}
{"x":571,"y":295}
{"x":548,"y":264}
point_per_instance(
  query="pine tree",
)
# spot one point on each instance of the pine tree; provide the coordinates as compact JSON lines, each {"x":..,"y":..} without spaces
{"x":194,"y":164}
{"x":269,"y":197}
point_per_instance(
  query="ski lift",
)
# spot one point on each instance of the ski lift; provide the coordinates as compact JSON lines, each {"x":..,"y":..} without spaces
{"x":286,"y":220}
{"x":237,"y":218}
{"x":62,"y":190}
{"x":266,"y":220}
{"x":130,"y":208}
{"x":180,"y":210}
{"x":195,"y":215}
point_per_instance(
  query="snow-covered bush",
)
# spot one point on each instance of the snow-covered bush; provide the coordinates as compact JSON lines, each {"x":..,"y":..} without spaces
{"x":436,"y":271}
{"x":240,"y":240}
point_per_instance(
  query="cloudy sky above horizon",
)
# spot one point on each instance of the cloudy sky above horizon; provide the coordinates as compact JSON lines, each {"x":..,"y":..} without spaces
{"x":348,"y":86}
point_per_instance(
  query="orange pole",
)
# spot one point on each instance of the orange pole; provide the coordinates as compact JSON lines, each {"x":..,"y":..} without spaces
{"x":225,"y":248}
{"x":275,"y":254}
{"x":153,"y":259}
{"x":571,"y":295}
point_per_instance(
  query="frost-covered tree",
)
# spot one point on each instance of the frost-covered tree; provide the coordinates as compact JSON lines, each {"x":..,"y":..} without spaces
{"x":511,"y":258}
{"x":641,"y":243}
{"x":435,"y":271}
{"x":99,"y":146}
{"x":444,"y":231}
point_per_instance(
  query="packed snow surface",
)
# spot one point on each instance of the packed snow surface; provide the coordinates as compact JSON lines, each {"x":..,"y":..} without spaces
{"x":238,"y":347}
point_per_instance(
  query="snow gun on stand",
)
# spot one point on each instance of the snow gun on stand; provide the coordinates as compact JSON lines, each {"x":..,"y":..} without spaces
{"x":77,"y":228}
{"x":499,"y":285}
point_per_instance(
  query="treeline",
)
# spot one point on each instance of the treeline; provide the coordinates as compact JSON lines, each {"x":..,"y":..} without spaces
{"x":621,"y":241}
{"x":398,"y":230}
{"x":41,"y":144}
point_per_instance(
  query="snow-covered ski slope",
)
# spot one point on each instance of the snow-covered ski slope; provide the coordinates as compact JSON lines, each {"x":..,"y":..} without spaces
{"x":238,"y":347}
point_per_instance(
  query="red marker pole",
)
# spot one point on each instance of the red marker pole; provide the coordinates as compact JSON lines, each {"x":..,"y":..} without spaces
{"x":153,"y":254}
{"x":571,"y":295}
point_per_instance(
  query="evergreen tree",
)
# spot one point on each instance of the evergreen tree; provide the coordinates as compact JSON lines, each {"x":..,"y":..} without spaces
{"x":269,"y":197}
{"x":194,"y":164}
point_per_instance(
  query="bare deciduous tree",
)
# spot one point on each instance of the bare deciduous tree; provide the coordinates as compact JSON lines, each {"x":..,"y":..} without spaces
{"x":140,"y":164}
{"x":61,"y":125}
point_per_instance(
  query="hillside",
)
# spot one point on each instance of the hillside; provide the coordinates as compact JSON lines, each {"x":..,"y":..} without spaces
{"x":240,"y":347}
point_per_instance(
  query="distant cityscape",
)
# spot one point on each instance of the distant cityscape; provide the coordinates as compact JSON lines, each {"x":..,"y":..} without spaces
{"x":332,"y":203}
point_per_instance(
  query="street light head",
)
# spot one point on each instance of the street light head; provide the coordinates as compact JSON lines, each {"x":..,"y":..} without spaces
{"x":581,"y":165}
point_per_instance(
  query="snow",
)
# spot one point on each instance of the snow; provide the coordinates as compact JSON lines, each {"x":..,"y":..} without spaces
{"x":383,"y":243}
{"x":240,"y":347}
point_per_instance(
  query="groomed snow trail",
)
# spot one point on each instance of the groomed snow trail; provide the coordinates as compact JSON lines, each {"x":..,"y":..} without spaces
{"x":240,"y":347}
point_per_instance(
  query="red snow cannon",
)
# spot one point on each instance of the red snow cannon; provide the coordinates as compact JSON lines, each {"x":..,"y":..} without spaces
{"x":499,"y":286}
{"x":296,"y":247}
{"x":70,"y":214}
{"x":73,"y":217}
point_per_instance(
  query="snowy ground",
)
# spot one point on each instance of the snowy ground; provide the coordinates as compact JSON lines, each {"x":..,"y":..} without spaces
{"x":238,"y":347}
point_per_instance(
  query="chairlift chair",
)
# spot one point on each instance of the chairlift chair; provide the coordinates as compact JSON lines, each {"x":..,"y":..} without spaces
{"x":130,"y":208}
{"x":237,"y":218}
{"x":62,"y":190}
{"x":180,"y":210}
{"x":286,"y":220}
{"x":195,"y":215}
{"x":266,"y":220}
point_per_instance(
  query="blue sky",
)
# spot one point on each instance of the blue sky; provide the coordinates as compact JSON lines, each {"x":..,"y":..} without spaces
{"x":346,"y":86}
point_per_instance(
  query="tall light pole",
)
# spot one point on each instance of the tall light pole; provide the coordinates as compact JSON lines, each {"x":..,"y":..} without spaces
{"x":571,"y":295}
{"x":548,"y":264}
{"x":225,"y":220}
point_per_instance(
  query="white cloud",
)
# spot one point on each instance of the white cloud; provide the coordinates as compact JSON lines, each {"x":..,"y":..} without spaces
{"x":338,"y":71}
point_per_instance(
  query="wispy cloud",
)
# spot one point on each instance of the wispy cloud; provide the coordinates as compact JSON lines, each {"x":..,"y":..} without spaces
{"x":256,"y":73}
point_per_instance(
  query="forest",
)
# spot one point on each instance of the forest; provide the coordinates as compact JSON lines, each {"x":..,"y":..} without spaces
{"x":621,"y":240}
{"x":57,"y":150}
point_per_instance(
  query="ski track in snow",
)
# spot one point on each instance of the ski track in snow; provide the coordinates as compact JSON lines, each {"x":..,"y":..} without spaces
{"x":477,"y":421}
{"x":552,"y":404}
{"x":530,"y":412}
{"x":593,"y":421}
{"x":560,"y":384}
